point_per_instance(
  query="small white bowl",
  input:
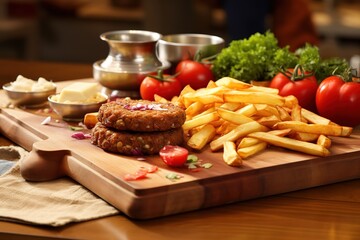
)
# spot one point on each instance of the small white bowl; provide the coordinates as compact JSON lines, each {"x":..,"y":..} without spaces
{"x":28,"y":98}
{"x":75,"y":111}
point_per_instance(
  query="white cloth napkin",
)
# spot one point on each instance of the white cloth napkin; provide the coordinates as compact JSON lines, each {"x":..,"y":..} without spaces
{"x":53,"y":203}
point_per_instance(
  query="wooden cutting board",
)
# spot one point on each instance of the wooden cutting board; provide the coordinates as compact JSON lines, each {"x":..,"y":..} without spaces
{"x":271,"y":172}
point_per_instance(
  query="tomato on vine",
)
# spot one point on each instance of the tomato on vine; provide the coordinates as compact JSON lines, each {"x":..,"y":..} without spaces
{"x":195,"y":73}
{"x":164,"y":85}
{"x":338,"y":99}
{"x":297,"y":82}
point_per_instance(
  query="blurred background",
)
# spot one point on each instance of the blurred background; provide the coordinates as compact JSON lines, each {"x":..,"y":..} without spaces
{"x":68,"y":30}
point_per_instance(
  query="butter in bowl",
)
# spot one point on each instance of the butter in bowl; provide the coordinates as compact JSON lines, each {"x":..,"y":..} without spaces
{"x":27,"y":92}
{"x":76,"y":100}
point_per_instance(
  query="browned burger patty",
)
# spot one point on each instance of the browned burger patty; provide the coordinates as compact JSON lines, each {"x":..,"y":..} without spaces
{"x":141,"y":115}
{"x":134,"y":143}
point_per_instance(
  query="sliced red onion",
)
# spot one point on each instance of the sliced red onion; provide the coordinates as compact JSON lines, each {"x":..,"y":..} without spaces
{"x":80,"y":135}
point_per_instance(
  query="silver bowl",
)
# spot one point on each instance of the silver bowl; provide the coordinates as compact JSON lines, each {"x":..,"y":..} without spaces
{"x":27,"y":98}
{"x":177,"y":47}
{"x":75,"y":111}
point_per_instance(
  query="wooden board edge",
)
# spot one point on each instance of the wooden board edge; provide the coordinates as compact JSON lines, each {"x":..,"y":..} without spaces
{"x":17,"y":132}
{"x":205,"y":194}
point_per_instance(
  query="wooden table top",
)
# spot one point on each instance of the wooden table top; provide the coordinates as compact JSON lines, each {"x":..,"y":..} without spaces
{"x":327,"y":212}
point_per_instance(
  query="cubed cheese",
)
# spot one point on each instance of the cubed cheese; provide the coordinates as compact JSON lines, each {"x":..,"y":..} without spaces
{"x":78,"y":92}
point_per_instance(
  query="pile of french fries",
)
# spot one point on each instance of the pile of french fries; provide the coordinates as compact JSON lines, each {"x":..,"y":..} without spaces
{"x":242,"y":120}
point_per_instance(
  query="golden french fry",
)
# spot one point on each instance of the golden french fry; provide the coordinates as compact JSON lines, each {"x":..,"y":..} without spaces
{"x":283,"y":114}
{"x":194,"y":109}
{"x":186,"y":89}
{"x":240,"y":85}
{"x":232,"y":83}
{"x":192,"y":131}
{"x":90,"y":119}
{"x":240,"y":131}
{"x":206,"y":111}
{"x":292,"y":144}
{"x":202,"y":137}
{"x":253,"y":97}
{"x":290,"y":101}
{"x":220,"y":130}
{"x":280,"y":132}
{"x":160,"y":99}
{"x":211,"y":84}
{"x":185,"y":102}
{"x":324,"y":141}
{"x":296,"y":113}
{"x":330,"y":130}
{"x":202,"y":120}
{"x":313,"y":117}
{"x":217,"y":123}
{"x":216,"y":104}
{"x":175,"y":100}
{"x":254,"y":88}
{"x":230,"y":155}
{"x":266,"y":110}
{"x":205,"y":99}
{"x":251,"y":150}
{"x":248,"y":141}
{"x":233,"y":117}
{"x":227,"y":128}
{"x":232,"y":106}
{"x":306,"y":137}
{"x":269,"y":121}
{"x":216,"y":91}
{"x":248,"y":110}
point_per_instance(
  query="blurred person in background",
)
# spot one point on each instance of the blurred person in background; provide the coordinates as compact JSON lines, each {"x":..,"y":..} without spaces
{"x":290,"y":20}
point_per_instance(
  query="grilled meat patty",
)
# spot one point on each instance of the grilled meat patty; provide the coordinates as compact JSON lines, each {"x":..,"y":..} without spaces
{"x":141,"y":115}
{"x":134,"y":143}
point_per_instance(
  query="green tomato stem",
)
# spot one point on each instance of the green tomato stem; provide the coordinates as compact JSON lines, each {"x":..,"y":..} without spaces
{"x":160,"y":76}
{"x":297,"y":74}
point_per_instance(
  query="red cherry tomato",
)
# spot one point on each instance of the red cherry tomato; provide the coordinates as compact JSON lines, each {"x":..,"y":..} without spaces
{"x":339,"y":101}
{"x":193,"y":73}
{"x":303,"y":89}
{"x":174,"y":156}
{"x":140,"y":174}
{"x":152,"y":169}
{"x":279,"y":81}
{"x":165,"y":86}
